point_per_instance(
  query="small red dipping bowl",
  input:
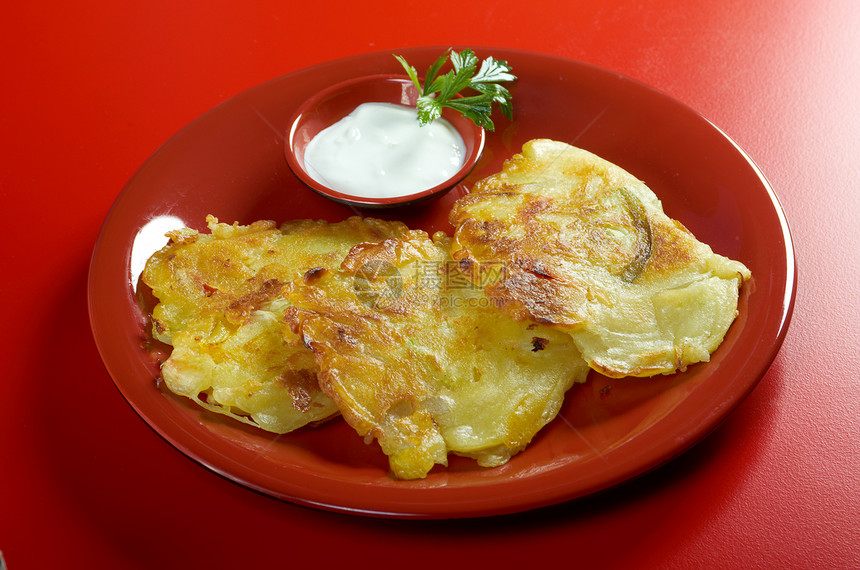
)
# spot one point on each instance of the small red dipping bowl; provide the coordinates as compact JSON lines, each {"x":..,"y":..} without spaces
{"x":334,"y":103}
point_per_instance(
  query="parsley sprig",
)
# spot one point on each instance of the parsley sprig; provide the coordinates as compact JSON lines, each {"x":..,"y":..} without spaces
{"x":438,"y":91}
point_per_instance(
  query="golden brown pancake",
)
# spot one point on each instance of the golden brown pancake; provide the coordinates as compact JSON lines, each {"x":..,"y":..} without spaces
{"x":416,"y":357}
{"x":575,"y":242}
{"x":221,"y":308}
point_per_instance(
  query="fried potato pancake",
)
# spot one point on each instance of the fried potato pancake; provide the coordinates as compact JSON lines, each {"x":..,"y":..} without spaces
{"x":416,"y":357}
{"x":220,"y":306}
{"x":578,"y":243}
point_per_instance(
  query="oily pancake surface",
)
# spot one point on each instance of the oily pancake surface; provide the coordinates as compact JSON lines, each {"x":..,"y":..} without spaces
{"x":220,"y":306}
{"x":578,"y":243}
{"x":416,"y":357}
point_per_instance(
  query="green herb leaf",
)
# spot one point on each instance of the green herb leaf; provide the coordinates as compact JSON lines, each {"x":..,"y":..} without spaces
{"x":440,"y":91}
{"x":410,"y":71}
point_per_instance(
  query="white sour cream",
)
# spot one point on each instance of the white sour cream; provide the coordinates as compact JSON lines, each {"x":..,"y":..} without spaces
{"x":380,"y":151}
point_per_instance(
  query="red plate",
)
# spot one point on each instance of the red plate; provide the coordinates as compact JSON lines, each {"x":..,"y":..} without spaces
{"x":230,"y":163}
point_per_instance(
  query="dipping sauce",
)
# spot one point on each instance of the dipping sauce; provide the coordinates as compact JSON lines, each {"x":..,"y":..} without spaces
{"x":380,"y":151}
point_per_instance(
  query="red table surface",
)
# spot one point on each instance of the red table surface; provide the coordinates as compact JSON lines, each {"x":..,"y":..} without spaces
{"x":91,"y":89}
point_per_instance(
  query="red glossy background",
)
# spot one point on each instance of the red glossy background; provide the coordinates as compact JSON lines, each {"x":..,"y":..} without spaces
{"x":91,"y":89}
